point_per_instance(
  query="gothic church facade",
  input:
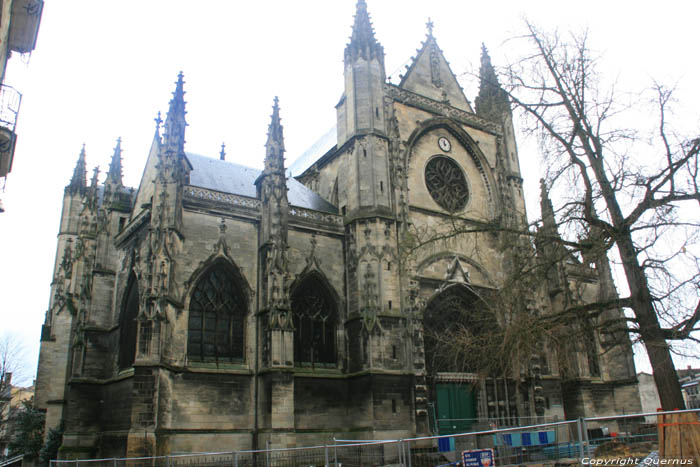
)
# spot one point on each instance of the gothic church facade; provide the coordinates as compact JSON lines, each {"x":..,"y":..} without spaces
{"x":217,"y":307}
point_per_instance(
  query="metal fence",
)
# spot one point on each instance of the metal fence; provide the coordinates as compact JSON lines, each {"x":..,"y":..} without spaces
{"x":618,"y":435}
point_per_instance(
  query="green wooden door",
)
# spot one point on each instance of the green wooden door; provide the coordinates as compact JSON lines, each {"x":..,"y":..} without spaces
{"x":456,"y":408}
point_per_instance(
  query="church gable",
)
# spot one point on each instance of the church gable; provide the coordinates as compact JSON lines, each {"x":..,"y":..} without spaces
{"x":430,"y":75}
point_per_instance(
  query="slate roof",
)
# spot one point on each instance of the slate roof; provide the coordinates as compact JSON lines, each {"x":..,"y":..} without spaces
{"x":227,"y":177}
{"x":314,"y":153}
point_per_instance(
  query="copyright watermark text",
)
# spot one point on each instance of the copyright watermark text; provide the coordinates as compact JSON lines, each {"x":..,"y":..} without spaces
{"x":636,"y":461}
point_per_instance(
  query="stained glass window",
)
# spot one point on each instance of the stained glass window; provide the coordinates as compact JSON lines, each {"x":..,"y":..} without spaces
{"x":216,"y":317}
{"x":314,"y":315}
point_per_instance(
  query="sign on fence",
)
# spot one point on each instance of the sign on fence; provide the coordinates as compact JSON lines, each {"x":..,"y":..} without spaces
{"x":478,"y":458}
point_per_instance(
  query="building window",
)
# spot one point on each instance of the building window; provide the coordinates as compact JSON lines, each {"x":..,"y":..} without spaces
{"x":216,"y":317}
{"x":315,"y":318}
{"x":446,"y":183}
{"x":456,"y":330}
{"x":128,"y":326}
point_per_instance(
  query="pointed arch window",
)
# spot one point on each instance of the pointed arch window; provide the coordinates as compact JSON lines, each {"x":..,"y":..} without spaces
{"x":457,"y":331}
{"x":315,"y":320}
{"x":128,"y":326}
{"x":216,"y":317}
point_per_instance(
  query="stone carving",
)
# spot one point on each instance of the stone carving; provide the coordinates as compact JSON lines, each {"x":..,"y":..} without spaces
{"x":308,"y":214}
{"x":192,"y":192}
{"x":435,"y":64}
{"x":369,"y":297}
{"x":440,"y":108}
{"x":446,"y":183}
{"x":456,"y":273}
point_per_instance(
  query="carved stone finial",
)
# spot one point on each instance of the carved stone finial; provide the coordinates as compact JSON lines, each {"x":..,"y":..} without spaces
{"x":95,"y":174}
{"x":222,"y":154}
{"x":158,"y":121}
{"x":114,"y":174}
{"x":430,"y":25}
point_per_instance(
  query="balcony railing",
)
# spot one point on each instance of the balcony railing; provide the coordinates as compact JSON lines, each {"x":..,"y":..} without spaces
{"x":10,"y":100}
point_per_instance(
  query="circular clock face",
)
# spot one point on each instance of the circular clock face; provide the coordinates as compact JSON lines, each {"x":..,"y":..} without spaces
{"x":444,"y":144}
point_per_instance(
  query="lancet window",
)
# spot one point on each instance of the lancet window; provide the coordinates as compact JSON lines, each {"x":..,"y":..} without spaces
{"x":315,"y":319}
{"x":128,"y":326}
{"x":216,"y":317}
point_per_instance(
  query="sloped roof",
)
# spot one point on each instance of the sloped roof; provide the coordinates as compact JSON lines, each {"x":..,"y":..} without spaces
{"x":324,"y":144}
{"x":228,"y":177}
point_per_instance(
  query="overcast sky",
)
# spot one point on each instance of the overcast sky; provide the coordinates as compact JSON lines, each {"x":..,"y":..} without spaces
{"x":102,"y":69}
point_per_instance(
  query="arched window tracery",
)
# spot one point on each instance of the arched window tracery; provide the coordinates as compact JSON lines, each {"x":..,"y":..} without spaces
{"x":454,"y":319}
{"x":216,"y":317}
{"x":128,"y":326}
{"x":315,"y":320}
{"x":446,"y":183}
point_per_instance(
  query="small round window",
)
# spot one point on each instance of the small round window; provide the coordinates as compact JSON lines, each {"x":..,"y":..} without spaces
{"x":446,"y":183}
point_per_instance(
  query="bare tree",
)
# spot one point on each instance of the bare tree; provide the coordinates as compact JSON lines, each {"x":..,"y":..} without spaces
{"x":624,"y":191}
{"x":13,"y":372}
{"x":13,"y":360}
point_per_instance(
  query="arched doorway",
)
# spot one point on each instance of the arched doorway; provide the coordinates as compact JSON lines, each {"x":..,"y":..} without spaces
{"x":454,"y":321}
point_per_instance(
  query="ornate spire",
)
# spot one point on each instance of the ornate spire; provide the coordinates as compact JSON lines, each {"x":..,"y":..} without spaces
{"x":492,"y":100}
{"x":274,"y":155}
{"x":222,"y":154}
{"x":362,"y":41}
{"x":174,"y":128}
{"x":487,"y":74}
{"x":114,"y":174}
{"x":79,"y":180}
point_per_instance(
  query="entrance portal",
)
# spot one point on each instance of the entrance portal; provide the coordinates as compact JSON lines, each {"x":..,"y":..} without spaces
{"x":456,"y":407}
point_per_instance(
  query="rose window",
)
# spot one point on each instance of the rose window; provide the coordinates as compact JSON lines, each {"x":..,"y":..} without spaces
{"x":446,"y":183}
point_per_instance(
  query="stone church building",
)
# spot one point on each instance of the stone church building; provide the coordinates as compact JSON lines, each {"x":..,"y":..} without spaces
{"x":217,"y":307}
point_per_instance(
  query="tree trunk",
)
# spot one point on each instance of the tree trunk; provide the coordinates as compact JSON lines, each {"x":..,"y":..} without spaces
{"x":657,"y":348}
